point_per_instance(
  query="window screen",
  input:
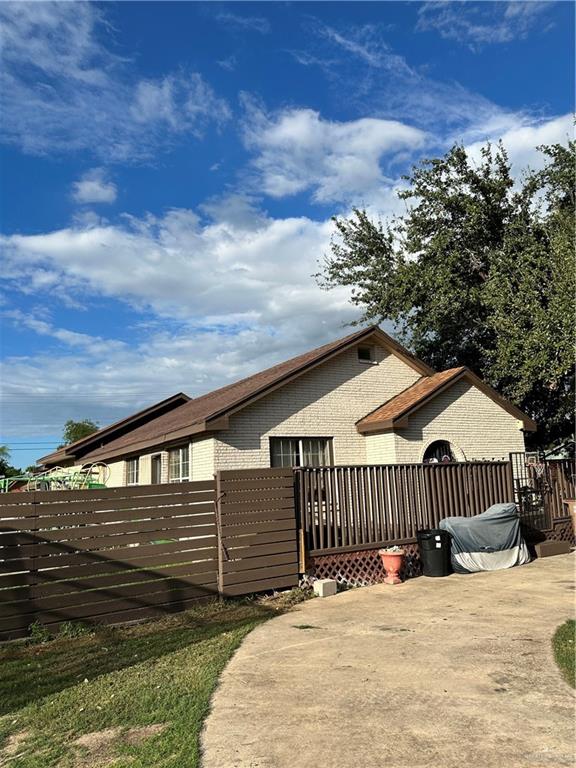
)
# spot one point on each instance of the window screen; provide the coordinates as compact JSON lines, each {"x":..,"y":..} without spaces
{"x":300,"y":451}
{"x":178,"y":465}
{"x":132,"y":471}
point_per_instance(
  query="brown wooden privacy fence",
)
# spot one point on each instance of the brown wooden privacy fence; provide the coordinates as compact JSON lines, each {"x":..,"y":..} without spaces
{"x":105,"y":555}
{"x":257,"y":528}
{"x":114,"y":555}
{"x":351,"y":508}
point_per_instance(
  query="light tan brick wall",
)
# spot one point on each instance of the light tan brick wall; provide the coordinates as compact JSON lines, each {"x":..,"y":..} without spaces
{"x":381,"y":448}
{"x":202,"y":459}
{"x":117,"y":477}
{"x":118,"y":470}
{"x":326,"y":402}
{"x":477,"y":427}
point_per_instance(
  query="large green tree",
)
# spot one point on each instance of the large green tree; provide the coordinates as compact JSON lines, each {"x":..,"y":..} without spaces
{"x":76,"y":430}
{"x":6,"y":469}
{"x":478,"y":272}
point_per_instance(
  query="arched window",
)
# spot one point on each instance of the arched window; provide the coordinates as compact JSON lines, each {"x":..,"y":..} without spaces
{"x":440,"y":451}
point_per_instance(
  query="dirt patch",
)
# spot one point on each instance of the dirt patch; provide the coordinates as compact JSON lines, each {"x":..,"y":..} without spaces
{"x":12,"y":745}
{"x":138,"y":735}
{"x":98,"y":748}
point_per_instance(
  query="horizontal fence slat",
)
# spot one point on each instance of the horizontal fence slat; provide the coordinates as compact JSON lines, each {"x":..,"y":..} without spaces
{"x":259,"y":516}
{"x":253,"y":574}
{"x":103,"y":543}
{"x":159,"y":590}
{"x":48,"y":586}
{"x":263,"y":561}
{"x":257,"y":504}
{"x":260,"y":494}
{"x":263,"y":473}
{"x":122,"y":554}
{"x":286,"y":481}
{"x":256,"y":539}
{"x":97,"y":612}
{"x":95,"y":531}
{"x":129,"y":492}
{"x":71,"y":508}
{"x":192,"y":557}
{"x":114,"y":617}
{"x":262,"y":585}
{"x":276,"y":525}
{"x":78,"y":519}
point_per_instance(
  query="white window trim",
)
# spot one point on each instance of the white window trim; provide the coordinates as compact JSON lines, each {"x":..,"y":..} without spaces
{"x":137,"y":463}
{"x":329,"y":440}
{"x":180,"y":478}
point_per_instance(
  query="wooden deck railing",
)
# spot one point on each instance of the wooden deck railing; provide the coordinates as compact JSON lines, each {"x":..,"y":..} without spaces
{"x":347,"y":508}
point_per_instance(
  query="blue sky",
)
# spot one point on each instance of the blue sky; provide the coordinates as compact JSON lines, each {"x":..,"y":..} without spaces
{"x":169,"y":171}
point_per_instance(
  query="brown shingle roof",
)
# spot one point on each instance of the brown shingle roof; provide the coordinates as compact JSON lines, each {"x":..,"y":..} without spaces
{"x":391,"y":413}
{"x":67,"y":451}
{"x":192,"y":417}
{"x":406,"y":400}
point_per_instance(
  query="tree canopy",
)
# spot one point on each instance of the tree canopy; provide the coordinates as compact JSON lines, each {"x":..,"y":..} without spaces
{"x":76,"y":430}
{"x":478,"y":272}
{"x":6,"y":469}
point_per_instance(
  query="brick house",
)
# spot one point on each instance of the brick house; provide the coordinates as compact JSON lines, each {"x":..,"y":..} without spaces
{"x":363,"y":399}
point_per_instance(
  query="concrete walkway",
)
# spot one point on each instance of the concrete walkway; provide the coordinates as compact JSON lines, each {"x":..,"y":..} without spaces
{"x":441,"y":673}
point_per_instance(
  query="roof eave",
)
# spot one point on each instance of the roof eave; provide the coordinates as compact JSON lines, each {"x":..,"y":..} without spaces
{"x":401,"y":420}
{"x":385,"y":340}
{"x":160,"y":442}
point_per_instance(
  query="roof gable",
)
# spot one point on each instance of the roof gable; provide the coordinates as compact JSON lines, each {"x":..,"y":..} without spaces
{"x":210,"y":412}
{"x":394,"y":414}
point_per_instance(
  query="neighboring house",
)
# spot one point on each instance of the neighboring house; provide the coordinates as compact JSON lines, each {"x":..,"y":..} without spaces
{"x":363,"y":399}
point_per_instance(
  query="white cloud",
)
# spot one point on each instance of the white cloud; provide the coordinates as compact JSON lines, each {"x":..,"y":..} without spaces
{"x":366,"y":43}
{"x":95,"y":345}
{"x":252,"y":23}
{"x":63,"y":90}
{"x":94,"y":187}
{"x":521,"y":140}
{"x":386,"y":86}
{"x":180,"y":102}
{"x":478,"y":24}
{"x":297,"y":150}
{"x":222,"y":299}
{"x":240,"y":266}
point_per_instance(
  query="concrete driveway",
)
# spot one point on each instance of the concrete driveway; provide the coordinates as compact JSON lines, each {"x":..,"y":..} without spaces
{"x":434,"y":672}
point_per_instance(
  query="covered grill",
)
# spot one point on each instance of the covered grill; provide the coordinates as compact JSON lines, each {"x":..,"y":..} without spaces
{"x":487,"y":542}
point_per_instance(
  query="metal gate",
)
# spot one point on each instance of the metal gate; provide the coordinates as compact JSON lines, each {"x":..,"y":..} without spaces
{"x":541,"y":486}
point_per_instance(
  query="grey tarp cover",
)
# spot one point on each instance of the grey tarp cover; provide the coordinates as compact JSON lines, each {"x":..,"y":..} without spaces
{"x":487,"y":542}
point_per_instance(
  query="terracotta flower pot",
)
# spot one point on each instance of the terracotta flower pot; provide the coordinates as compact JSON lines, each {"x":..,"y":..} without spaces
{"x":392,"y":562}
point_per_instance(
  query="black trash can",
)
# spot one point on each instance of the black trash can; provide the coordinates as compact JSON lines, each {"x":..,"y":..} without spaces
{"x":434,"y":547}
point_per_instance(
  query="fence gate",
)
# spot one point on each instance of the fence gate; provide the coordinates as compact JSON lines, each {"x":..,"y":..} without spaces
{"x":541,"y":486}
{"x":257,"y":530}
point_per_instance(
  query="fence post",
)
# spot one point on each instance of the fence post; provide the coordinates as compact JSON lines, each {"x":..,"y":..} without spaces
{"x":220,"y":542}
{"x":34,"y":529}
{"x":509,"y":477}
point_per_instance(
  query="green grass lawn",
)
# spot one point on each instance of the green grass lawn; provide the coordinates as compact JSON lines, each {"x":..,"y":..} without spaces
{"x":135,"y":697}
{"x":564,"y":646}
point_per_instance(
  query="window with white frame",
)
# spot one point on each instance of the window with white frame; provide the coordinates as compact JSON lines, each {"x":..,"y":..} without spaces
{"x":300,"y":451}
{"x":132,"y":471}
{"x":179,"y":465}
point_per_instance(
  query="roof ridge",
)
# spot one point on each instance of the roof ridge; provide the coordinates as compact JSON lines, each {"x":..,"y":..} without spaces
{"x":291,"y":360}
